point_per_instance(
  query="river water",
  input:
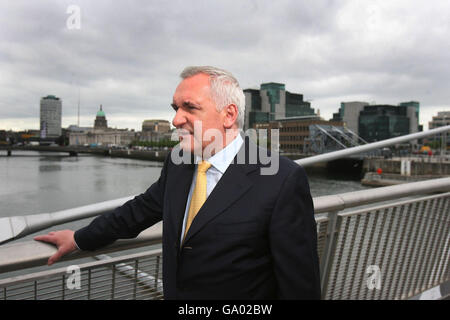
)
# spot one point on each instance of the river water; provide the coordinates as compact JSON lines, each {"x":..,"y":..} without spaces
{"x":37,"y":182}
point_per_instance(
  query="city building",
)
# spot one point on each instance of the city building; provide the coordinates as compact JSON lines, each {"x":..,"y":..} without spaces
{"x":349,"y":114}
{"x":414,"y":104}
{"x":100,"y":134}
{"x":442,"y":119}
{"x":272,"y":102}
{"x":75,"y":128}
{"x":294,"y":132}
{"x":155,"y":130}
{"x":161,"y":126}
{"x":23,"y":137}
{"x":380,"y":122}
{"x":50,"y":117}
{"x":100,"y":120}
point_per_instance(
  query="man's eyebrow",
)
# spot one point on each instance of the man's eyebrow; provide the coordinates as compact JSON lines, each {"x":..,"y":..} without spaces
{"x":189,"y":104}
{"x":186,"y":104}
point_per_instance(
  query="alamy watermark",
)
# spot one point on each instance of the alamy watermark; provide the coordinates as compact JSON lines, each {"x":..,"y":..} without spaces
{"x":74,"y":20}
{"x":74,"y":279}
{"x":374,"y":278}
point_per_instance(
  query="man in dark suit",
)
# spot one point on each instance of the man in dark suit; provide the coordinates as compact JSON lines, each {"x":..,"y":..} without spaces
{"x":230,"y":231}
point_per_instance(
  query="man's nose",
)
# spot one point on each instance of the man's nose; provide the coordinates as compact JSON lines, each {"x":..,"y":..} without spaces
{"x":179,"y":118}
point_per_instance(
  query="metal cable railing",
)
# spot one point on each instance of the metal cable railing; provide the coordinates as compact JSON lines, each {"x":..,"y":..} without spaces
{"x":135,"y":276}
{"x":406,"y":243}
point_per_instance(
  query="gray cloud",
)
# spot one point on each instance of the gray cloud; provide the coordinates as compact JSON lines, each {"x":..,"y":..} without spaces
{"x":127,"y":55}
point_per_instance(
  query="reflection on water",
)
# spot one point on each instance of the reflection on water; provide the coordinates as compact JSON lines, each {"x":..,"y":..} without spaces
{"x":49,"y":167}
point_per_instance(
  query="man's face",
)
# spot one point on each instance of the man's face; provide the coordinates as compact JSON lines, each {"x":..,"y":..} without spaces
{"x":192,"y":102}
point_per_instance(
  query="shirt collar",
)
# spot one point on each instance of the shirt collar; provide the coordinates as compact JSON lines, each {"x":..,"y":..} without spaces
{"x":222,"y":159}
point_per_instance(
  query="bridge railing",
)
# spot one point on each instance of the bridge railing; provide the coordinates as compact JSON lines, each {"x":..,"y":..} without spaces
{"x":393,"y":250}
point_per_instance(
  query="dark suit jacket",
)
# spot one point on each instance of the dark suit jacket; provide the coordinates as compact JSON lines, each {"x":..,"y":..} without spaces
{"x":254,"y":238}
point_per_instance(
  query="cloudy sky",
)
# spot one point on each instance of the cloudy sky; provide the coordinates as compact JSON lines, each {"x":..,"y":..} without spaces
{"x":127,"y":55}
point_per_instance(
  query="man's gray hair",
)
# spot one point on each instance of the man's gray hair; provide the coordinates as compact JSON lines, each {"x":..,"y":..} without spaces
{"x":225,"y":89}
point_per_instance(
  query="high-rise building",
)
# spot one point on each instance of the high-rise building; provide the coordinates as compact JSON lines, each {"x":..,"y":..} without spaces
{"x":349,"y":114}
{"x":414,"y":104}
{"x":380,"y":122}
{"x":50,"y":117}
{"x":273,"y":102}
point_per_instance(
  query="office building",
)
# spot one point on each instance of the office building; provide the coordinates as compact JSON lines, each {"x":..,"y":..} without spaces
{"x":349,"y":114}
{"x":414,"y":104}
{"x":161,"y":126}
{"x":442,"y":119}
{"x":155,"y":130}
{"x":272,"y":102}
{"x":380,"y":122}
{"x":294,"y":132}
{"x":50,"y":117}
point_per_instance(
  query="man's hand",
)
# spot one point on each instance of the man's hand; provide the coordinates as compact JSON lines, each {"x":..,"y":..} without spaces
{"x":63,"y":240}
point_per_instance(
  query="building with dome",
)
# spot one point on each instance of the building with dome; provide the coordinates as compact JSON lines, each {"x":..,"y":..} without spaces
{"x":101,"y":135}
{"x":100,"y":120}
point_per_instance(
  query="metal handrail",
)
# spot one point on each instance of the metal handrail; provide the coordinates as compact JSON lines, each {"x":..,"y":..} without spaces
{"x":32,"y":253}
{"x":27,"y":254}
{"x":353,"y":199}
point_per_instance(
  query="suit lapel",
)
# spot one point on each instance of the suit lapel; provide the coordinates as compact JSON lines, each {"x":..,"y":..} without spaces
{"x":178,"y":193}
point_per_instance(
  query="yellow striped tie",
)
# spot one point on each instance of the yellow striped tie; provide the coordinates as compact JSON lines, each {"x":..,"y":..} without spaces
{"x":199,"y":195}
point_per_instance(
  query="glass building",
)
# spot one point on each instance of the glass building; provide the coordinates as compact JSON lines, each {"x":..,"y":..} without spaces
{"x":273,"y":102}
{"x":414,"y":104}
{"x":380,"y":122}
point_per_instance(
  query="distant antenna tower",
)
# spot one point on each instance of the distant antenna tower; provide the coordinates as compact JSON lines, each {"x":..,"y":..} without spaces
{"x":78,"y":122}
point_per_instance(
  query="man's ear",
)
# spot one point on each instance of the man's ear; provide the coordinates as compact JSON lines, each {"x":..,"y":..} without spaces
{"x":230,"y":116}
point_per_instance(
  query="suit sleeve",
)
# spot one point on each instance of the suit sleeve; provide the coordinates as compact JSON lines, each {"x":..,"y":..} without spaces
{"x":126,"y":221}
{"x":293,"y":240}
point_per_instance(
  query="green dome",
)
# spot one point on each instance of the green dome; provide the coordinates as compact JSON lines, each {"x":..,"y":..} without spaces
{"x":101,"y":113}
